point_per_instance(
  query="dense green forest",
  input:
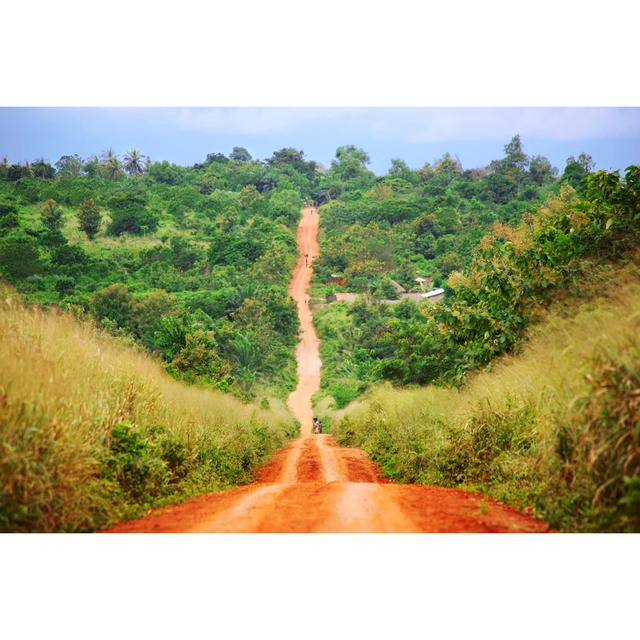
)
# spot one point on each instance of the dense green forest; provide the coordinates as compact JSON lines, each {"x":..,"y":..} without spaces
{"x":190,"y":262}
{"x":435,"y":223}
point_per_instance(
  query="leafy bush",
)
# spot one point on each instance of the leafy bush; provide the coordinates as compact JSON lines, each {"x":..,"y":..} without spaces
{"x":130,"y":214}
{"x":344,"y":391}
{"x":19,"y":256}
{"x":8,"y":215}
{"x":115,"y":304}
{"x":90,"y":218}
{"x":51,"y":215}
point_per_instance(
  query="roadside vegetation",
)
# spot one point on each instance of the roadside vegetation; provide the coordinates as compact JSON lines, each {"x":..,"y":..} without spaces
{"x":555,"y":427}
{"x":93,"y":431}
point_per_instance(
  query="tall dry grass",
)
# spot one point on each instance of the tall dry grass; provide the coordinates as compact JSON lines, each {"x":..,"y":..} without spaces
{"x":92,"y":431}
{"x":555,"y":427}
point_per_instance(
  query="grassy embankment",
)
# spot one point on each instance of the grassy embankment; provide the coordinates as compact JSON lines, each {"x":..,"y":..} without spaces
{"x":93,"y":431}
{"x":554,"y":428}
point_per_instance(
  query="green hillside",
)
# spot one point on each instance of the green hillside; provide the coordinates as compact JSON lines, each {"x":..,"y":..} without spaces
{"x":191,"y":262}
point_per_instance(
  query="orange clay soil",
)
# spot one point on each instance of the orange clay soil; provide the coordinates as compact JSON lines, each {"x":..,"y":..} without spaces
{"x":314,"y":485}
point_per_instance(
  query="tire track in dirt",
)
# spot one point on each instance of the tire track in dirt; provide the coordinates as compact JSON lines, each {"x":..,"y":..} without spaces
{"x":314,"y":485}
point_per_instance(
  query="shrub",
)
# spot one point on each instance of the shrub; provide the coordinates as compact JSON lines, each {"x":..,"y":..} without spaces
{"x":89,"y":218}
{"x":344,"y":391}
{"x":129,"y":213}
{"x":114,"y":303}
{"x":51,"y":215}
{"x":8,"y":215}
{"x":19,"y":256}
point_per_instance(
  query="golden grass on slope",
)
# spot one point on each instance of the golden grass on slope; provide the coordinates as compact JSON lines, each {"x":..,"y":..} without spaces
{"x":519,"y":429}
{"x":65,"y":385}
{"x":552,"y":362}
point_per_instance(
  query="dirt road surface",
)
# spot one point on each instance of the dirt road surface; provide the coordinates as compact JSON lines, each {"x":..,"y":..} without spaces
{"x":316,"y":486}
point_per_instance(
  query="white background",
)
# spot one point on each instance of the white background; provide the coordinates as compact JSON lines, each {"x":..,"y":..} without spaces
{"x":285,"y":53}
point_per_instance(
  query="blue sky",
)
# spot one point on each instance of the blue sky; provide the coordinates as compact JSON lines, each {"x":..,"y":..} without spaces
{"x":417,"y":135}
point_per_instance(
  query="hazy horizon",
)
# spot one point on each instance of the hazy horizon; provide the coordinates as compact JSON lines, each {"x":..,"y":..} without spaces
{"x":417,"y":135}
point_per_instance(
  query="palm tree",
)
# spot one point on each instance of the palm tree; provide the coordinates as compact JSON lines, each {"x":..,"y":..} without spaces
{"x":134,"y":163}
{"x":42,"y":169}
{"x":111,"y":167}
{"x":114,"y":169}
{"x":108,"y":155}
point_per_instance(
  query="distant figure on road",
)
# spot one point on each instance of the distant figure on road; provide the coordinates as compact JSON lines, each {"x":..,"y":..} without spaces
{"x":306,"y":259}
{"x":317,"y":427}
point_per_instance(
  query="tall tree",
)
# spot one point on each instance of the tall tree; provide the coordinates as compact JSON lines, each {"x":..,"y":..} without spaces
{"x":350,"y":162}
{"x":240,"y":154}
{"x":111,"y":167}
{"x":447,"y":164}
{"x":69,"y":166}
{"x":577,"y":170}
{"x":89,"y":217}
{"x":540,"y":169}
{"x":515,"y":157}
{"x":134,"y":163}
{"x":42,"y":169}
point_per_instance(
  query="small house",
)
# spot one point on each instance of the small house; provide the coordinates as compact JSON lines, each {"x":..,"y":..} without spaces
{"x":434,"y":295}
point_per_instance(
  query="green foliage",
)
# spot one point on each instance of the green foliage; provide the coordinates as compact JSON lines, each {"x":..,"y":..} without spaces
{"x":19,"y":256}
{"x":134,"y":163}
{"x":240,"y":154}
{"x":69,"y":166}
{"x":165,"y":172}
{"x":515,"y":271}
{"x":8,"y":215}
{"x":130,"y":214}
{"x":344,"y":391}
{"x":89,"y":218}
{"x":576,"y":171}
{"x":114,"y":304}
{"x":285,"y":204}
{"x":553,"y":429}
{"x":42,"y":169}
{"x":51,"y":215}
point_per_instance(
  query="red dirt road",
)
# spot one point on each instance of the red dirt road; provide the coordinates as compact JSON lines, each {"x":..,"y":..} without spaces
{"x":316,"y":486}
